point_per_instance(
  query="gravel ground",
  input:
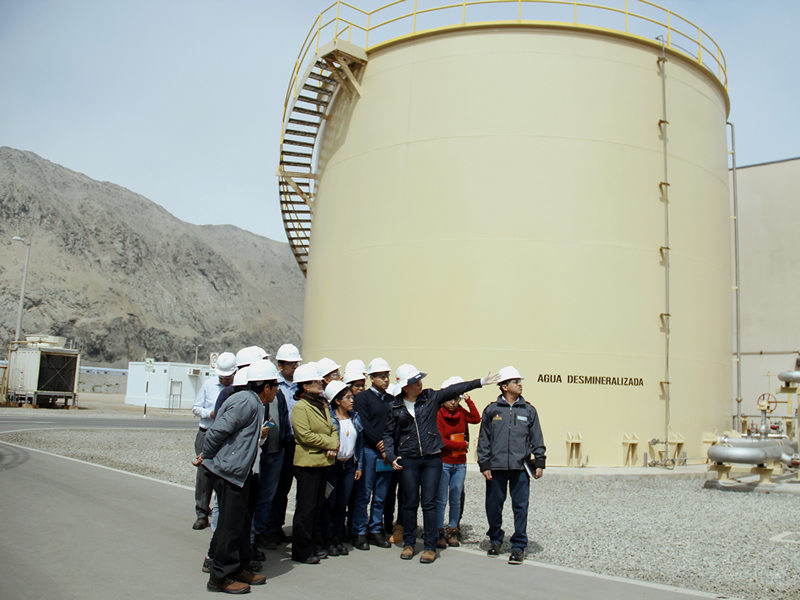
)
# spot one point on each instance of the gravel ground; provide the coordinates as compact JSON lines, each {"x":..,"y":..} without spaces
{"x":661,"y":530}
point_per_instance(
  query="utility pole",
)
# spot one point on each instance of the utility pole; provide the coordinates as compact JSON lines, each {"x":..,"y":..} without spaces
{"x":27,"y":243}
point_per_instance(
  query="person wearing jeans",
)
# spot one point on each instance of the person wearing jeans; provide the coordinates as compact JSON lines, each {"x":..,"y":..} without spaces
{"x":372,"y":406}
{"x":511,"y":450}
{"x":452,"y":420}
{"x":413,"y":444}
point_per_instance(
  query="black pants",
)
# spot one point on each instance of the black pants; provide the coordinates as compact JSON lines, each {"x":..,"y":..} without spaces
{"x":311,"y":483}
{"x":277,"y":515}
{"x":420,"y":486}
{"x":230,"y":547}
{"x":394,"y":496}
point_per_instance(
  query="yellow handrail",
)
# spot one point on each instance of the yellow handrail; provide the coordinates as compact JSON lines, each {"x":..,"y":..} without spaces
{"x":365,"y":22}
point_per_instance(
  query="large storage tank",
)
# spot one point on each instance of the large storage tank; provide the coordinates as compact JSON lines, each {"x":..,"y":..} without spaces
{"x":496,"y":195}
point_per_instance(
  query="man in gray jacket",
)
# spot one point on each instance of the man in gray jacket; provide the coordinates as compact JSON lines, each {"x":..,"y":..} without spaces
{"x":510,"y":451}
{"x":229,"y":452}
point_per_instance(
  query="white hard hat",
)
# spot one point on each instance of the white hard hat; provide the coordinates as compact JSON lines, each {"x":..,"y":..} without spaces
{"x":333,"y":389}
{"x":391,"y":389}
{"x":378,"y":365}
{"x":451,"y":381}
{"x":240,"y":378}
{"x":507,"y":373}
{"x":325,"y":366}
{"x":226,"y":364}
{"x":261,"y":352}
{"x":248,"y":355}
{"x":351,"y":376}
{"x":307,"y":372}
{"x":262,"y":370}
{"x":288,"y":353}
{"x":408,"y":374}
{"x":355,"y":365}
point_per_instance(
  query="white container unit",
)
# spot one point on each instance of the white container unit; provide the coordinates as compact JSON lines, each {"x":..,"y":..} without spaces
{"x":168,"y":385}
{"x":41,"y":375}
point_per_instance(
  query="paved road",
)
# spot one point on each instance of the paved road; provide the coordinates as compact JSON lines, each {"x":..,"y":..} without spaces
{"x":73,"y":530}
{"x":46,"y":419}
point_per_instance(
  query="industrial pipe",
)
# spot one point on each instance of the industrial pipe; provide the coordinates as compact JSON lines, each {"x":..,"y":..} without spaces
{"x":753,"y":451}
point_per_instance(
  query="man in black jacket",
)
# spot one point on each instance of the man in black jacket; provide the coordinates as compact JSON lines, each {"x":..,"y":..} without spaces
{"x":372,"y":406}
{"x":510,"y":451}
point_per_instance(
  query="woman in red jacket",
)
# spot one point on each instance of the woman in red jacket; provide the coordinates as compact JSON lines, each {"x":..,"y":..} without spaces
{"x":452,"y":420}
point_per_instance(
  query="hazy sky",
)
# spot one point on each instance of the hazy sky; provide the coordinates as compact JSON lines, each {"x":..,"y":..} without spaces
{"x":181,"y":100}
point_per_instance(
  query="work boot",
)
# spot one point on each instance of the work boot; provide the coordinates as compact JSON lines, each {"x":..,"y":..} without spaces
{"x":267,"y":541}
{"x":397,"y":534}
{"x":249,"y":577}
{"x":201,"y":523}
{"x":407,"y":553}
{"x":360,"y":542}
{"x":452,"y":537}
{"x":441,"y":543}
{"x":427,"y":557}
{"x":283,"y":537}
{"x":258,"y":554}
{"x":376,"y":539}
{"x":229,"y":586}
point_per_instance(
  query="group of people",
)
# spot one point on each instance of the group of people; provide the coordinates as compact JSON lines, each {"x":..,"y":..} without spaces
{"x":354,"y":452}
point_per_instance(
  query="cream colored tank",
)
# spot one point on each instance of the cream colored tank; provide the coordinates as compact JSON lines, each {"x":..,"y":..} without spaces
{"x":493,"y":198}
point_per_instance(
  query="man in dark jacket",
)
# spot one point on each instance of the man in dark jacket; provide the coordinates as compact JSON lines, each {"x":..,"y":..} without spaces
{"x":510,"y":451}
{"x":372,"y":406}
{"x":229,"y":452}
{"x":270,"y":467}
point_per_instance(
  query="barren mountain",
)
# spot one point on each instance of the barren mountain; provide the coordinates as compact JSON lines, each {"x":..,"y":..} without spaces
{"x":122,"y":277}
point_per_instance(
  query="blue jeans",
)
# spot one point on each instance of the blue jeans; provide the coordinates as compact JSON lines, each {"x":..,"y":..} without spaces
{"x":519,"y":485}
{"x":375,"y":485}
{"x":331,"y":523}
{"x":270,"y":474}
{"x":451,"y":485}
{"x":420,"y":480}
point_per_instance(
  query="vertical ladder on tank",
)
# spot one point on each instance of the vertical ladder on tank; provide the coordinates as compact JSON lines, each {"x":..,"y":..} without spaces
{"x":335,"y":67}
{"x":664,"y":250}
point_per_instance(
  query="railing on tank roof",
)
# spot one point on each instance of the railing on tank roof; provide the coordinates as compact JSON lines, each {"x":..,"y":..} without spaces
{"x":372,"y":29}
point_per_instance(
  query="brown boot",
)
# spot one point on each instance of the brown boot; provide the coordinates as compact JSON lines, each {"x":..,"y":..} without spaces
{"x":442,"y":543}
{"x":427,"y":557}
{"x":229,"y":586}
{"x":407,"y":553}
{"x":397,"y":534}
{"x":249,"y":577}
{"x":452,"y":537}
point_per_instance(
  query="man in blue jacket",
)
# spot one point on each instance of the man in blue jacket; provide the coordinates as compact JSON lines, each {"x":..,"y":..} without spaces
{"x":229,"y":452}
{"x":510,"y":451}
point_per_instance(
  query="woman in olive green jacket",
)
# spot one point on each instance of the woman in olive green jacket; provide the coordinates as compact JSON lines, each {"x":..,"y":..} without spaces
{"x":317,"y":443}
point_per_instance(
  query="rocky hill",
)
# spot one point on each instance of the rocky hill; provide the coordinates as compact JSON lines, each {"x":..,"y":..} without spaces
{"x":122,"y":277}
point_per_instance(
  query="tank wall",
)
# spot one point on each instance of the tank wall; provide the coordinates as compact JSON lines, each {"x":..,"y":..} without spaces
{"x":497,"y":194}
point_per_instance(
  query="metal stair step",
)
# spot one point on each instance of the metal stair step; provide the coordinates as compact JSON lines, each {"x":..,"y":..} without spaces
{"x":289,"y":163}
{"x":298,"y":143}
{"x":323,"y":78}
{"x":317,"y":89}
{"x":308,"y":111}
{"x":304,"y":123}
{"x":290,"y":153}
{"x":312,"y":100}
{"x":303,"y":133}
